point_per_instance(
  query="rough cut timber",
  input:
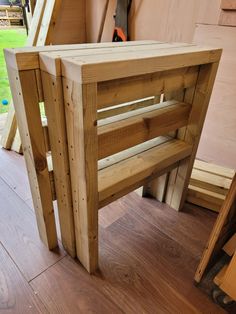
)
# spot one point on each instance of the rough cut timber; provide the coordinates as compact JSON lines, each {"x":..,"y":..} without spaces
{"x":95,"y":161}
{"x":209,"y":185}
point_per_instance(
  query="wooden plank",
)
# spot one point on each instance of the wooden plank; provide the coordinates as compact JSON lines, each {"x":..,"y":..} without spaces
{"x":128,"y":89}
{"x":210,"y":182}
{"x":82,"y":136}
{"x":140,"y":128}
{"x":130,"y":152}
{"x":228,"y":4}
{"x":217,"y":235}
{"x":214,"y":169}
{"x":230,"y":246}
{"x":36,"y":23}
{"x":228,"y":284}
{"x":9,"y":130}
{"x":131,"y":172}
{"x":98,"y":68}
{"x":204,"y":198}
{"x":30,"y":127}
{"x":16,"y":144}
{"x":193,"y":132}
{"x":54,"y":107}
{"x":119,"y":109}
{"x":27,"y":58}
{"x":70,"y":25}
{"x":227,"y":18}
{"x":51,"y":11}
{"x":220,"y":276}
{"x":51,"y":62}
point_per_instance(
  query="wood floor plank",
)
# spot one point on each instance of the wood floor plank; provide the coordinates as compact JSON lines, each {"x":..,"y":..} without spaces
{"x":19,"y":235}
{"x":13,"y":172}
{"x":16,"y":296}
{"x":142,"y":270}
{"x":148,"y":256}
{"x":176,"y":224}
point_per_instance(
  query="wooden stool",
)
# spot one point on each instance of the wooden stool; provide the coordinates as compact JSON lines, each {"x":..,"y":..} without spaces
{"x":105,"y":130}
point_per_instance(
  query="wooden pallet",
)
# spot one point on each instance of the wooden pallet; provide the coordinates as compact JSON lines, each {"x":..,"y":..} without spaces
{"x":98,"y":155}
{"x":209,"y":184}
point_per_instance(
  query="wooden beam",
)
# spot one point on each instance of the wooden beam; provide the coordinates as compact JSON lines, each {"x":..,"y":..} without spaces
{"x":123,"y":177}
{"x":220,"y":232}
{"x":131,"y":131}
{"x":123,"y":90}
{"x":52,"y":88}
{"x":82,"y":137}
{"x":30,"y":127}
{"x":201,"y":96}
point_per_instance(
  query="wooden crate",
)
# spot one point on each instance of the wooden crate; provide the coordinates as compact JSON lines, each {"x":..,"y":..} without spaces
{"x":106,"y":130}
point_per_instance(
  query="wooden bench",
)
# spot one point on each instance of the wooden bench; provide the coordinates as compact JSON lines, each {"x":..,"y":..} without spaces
{"x":108,"y":129}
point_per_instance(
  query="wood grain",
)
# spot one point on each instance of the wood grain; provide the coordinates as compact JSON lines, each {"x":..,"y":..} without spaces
{"x":20,"y":237}
{"x":16,"y":296}
{"x":141,"y":270}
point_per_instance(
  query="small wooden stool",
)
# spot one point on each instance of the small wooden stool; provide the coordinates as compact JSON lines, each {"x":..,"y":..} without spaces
{"x":106,"y":130}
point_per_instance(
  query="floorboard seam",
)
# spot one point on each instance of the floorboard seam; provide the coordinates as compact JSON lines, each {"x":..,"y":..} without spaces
{"x":46,"y":269}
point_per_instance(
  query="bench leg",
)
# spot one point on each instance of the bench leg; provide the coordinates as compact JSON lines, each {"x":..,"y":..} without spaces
{"x":199,"y":97}
{"x":81,"y":101}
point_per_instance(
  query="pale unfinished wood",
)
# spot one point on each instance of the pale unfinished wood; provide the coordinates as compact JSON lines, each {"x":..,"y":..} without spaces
{"x":220,"y":231}
{"x":131,"y":131}
{"x":52,"y":89}
{"x":10,"y":127}
{"x":28,"y":117}
{"x":84,"y":185}
{"x":145,"y":62}
{"x":204,"y":198}
{"x":123,"y":176}
{"x":48,"y":22}
{"x":192,"y":134}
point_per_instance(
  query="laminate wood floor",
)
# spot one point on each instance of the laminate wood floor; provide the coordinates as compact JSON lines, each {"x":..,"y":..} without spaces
{"x":148,"y":256}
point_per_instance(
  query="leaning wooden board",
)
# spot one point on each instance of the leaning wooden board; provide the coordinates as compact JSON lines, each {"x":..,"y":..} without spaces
{"x":76,"y":83}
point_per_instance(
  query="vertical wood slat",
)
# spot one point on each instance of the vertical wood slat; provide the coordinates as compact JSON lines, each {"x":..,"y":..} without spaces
{"x":81,"y":118}
{"x":30,"y":127}
{"x":54,"y":107}
{"x":192,"y":134}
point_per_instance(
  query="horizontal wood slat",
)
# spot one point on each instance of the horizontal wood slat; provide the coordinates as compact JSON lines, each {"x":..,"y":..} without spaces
{"x":131,"y":131}
{"x":119,"y":91}
{"x":92,"y":69}
{"x":27,"y":58}
{"x":129,"y":174}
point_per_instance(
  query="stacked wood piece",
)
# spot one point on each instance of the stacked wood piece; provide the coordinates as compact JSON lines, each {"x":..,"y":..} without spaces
{"x":101,"y":142}
{"x":209,"y":185}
